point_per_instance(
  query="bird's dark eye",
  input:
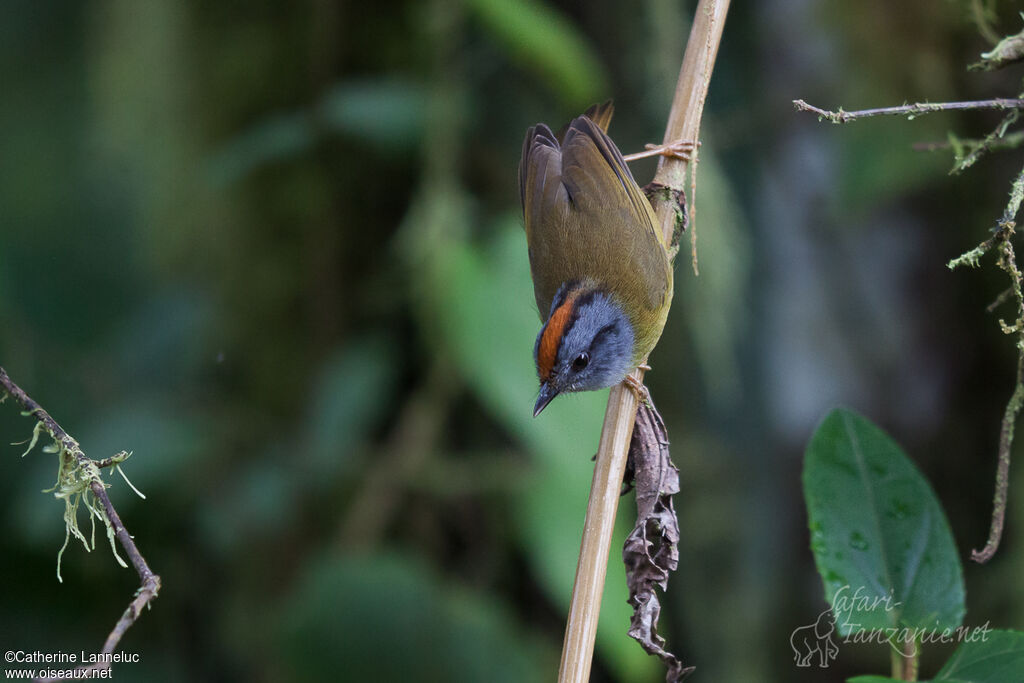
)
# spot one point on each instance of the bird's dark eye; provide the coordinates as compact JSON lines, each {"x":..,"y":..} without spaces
{"x":580,"y":361}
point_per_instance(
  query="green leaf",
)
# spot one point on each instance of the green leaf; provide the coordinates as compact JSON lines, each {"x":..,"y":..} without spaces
{"x":879,"y":536}
{"x":546,"y":41}
{"x":986,"y":656}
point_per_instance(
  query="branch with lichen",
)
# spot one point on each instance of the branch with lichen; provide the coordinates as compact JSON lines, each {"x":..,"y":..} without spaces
{"x":966,"y":153}
{"x":1007,"y":51}
{"x":911,"y":111}
{"x":965,"y":161}
{"x":79,"y":482}
{"x":1007,"y":262}
{"x":959,"y":145}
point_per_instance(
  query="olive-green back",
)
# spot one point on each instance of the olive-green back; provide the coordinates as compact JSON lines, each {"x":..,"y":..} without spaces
{"x":586,"y":219}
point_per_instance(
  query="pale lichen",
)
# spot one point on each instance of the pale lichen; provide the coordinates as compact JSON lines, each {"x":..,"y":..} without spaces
{"x":76,"y":475}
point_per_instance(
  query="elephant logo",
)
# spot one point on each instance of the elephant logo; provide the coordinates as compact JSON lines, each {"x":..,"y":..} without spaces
{"x":815,"y":638}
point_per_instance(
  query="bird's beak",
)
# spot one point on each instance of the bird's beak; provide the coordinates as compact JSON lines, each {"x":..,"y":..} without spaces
{"x":547,"y":392}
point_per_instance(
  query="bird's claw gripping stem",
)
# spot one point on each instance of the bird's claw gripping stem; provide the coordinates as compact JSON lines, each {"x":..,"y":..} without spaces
{"x":643,"y":395}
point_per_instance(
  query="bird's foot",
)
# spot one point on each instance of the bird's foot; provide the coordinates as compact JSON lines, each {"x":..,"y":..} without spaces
{"x":679,"y":149}
{"x":643,"y":395}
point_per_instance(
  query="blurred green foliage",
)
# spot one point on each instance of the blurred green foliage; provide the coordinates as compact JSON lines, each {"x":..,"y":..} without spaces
{"x":383,"y":617}
{"x":274,"y":249}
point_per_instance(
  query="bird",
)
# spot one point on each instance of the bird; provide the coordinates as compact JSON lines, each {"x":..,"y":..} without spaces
{"x":602,"y":275}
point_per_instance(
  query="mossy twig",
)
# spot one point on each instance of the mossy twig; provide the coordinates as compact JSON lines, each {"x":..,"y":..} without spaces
{"x":79,"y":482}
{"x":963,"y":161}
{"x":911,"y":111}
{"x":958,"y":145}
{"x":1007,"y":262}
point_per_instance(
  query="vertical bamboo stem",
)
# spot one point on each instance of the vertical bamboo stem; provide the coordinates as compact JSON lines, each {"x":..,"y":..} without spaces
{"x":684,"y":124}
{"x":581,"y":627}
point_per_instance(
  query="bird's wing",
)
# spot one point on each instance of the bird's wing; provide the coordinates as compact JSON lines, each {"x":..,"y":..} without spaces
{"x":540,"y":177}
{"x":585,"y":217}
{"x":542,"y":154}
{"x":601,"y":114}
{"x":614,"y":211}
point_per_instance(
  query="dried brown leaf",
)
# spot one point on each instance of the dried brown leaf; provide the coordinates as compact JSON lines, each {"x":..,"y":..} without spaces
{"x":651,"y":552}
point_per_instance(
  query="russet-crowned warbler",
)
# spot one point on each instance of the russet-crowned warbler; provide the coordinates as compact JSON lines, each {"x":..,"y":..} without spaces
{"x":601,"y":272}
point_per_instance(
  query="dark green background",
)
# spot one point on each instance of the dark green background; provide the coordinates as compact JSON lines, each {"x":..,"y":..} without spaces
{"x":274,"y":249}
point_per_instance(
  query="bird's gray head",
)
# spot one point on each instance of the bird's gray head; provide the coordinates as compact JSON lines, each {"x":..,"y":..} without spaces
{"x":586,"y":344}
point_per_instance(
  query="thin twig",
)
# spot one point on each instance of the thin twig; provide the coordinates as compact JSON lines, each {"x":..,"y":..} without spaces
{"x":965,"y":162}
{"x":1009,"y":50}
{"x":107,"y":462}
{"x":972,"y":257}
{"x":683,"y":124}
{"x":1006,"y":430}
{"x":1008,"y":262}
{"x":680,"y":149}
{"x":150,"y":582}
{"x":1008,"y":141}
{"x":911,"y":110}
